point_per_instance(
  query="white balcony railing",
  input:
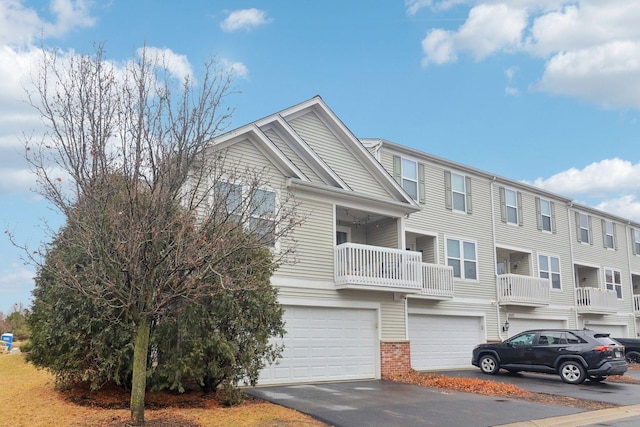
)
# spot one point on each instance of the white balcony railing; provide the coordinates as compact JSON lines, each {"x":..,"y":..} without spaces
{"x":595,"y":300}
{"x":518,"y":289}
{"x":375,"y":267}
{"x":437,"y":280}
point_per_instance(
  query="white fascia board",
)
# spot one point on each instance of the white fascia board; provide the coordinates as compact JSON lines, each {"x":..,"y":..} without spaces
{"x":254,"y":135}
{"x":352,"y":198}
{"x":379,"y":172}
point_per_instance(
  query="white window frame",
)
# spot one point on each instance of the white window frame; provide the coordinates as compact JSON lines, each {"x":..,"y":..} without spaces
{"x":609,"y":234}
{"x":543,"y":215}
{"x":585,"y":228}
{"x":462,"y":193}
{"x":613,"y":285}
{"x":636,"y":241}
{"x":510,"y":207}
{"x":461,"y":259}
{"x":244,"y":199}
{"x":404,"y":177}
{"x":550,"y":271}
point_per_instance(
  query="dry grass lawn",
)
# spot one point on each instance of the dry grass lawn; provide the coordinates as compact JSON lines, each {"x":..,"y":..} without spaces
{"x":29,"y":399}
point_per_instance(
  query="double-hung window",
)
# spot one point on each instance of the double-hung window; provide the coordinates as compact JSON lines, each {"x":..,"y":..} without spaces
{"x":462,"y":256}
{"x":549,"y":268}
{"x":583,"y":227}
{"x":608,"y":234}
{"x":545,"y":211}
{"x":256,"y":212}
{"x":511,"y":206}
{"x":410,"y":175}
{"x":613,"y":281}
{"x":263,"y":213}
{"x":457,"y":192}
{"x":410,"y":178}
{"x":636,"y":241}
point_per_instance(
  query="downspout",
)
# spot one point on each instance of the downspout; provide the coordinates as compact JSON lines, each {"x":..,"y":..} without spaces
{"x":495,"y":266}
{"x":573,"y":266}
{"x":633,"y":303}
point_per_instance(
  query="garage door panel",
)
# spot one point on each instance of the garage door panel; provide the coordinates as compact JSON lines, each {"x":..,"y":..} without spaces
{"x":442,"y":342}
{"x":325,"y":343}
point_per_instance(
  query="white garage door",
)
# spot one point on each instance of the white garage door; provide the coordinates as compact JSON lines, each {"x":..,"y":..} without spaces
{"x":619,"y":331}
{"x":443,"y":342}
{"x":325,"y":344}
{"x":520,"y":325}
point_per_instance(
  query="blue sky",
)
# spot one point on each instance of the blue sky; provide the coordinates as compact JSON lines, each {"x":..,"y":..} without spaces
{"x":543,"y":91}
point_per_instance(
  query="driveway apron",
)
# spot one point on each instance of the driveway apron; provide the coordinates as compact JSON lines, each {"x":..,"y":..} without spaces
{"x":387,"y":403}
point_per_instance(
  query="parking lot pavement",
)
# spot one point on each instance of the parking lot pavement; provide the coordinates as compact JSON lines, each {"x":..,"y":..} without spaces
{"x":610,"y":392}
{"x":386,"y":403}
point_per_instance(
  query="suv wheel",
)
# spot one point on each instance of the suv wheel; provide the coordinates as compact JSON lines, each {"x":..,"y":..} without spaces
{"x":572,"y":372}
{"x":488,"y":364}
{"x":633,"y":357}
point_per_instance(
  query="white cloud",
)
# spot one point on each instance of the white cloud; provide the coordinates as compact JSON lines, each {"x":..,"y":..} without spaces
{"x":245,"y":19}
{"x":591,"y":48}
{"x":612,"y":185}
{"x":488,"y":29}
{"x":237,"y":68}
{"x":627,"y":206}
{"x":20,"y":25}
{"x":438,"y":47}
{"x":177,"y":65}
{"x":413,"y":6}
{"x":16,"y":285}
{"x":597,"y":179}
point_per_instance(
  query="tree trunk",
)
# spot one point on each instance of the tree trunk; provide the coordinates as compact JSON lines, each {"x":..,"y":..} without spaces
{"x":139,"y":381}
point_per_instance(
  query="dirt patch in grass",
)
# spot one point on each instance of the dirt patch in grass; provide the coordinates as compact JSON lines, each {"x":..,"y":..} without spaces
{"x":492,"y":388}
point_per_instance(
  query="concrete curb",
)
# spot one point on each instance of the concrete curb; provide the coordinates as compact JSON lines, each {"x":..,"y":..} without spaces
{"x":583,"y":418}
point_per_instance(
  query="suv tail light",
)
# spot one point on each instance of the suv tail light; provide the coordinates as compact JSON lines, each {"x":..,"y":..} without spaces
{"x":603,"y":348}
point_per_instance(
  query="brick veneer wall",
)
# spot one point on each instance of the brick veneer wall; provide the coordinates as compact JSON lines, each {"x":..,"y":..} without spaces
{"x":395,"y":358}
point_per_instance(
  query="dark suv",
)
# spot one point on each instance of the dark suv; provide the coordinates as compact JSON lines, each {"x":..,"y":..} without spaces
{"x":573,"y":354}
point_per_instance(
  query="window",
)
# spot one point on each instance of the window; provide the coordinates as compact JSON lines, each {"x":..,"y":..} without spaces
{"x":613,"y":281}
{"x":583,"y":223}
{"x":410,"y":178}
{"x":457,"y":192}
{"x":549,"y":268}
{"x":545,"y":211}
{"x":510,"y":206}
{"x":230,"y":195}
{"x":636,"y":242}
{"x":608,"y":234}
{"x":410,"y":175}
{"x":461,"y":255}
{"x":259,"y":217}
{"x":263,"y":214}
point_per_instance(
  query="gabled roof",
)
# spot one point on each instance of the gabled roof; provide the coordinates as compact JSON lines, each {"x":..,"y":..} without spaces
{"x":305,"y":152}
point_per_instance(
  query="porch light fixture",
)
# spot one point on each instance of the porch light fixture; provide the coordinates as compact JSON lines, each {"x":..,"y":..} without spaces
{"x":505,"y":327}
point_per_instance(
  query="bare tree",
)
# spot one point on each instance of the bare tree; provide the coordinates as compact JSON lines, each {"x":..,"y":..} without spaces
{"x":157,"y":210}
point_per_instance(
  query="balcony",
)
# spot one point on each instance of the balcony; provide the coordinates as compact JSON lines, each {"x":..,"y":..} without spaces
{"x":596,"y":301}
{"x":517,"y":289}
{"x":437,"y":282}
{"x":360,"y":266}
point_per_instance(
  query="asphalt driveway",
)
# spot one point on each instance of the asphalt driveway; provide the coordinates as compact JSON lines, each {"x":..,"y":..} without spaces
{"x":386,"y":403}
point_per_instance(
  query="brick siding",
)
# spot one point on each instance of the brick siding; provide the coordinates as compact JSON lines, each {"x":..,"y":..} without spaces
{"x":395,"y":358}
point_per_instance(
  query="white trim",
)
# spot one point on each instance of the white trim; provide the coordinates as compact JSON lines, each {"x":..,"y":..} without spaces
{"x":549,"y":256}
{"x":477,"y":261}
{"x":513,"y":248}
